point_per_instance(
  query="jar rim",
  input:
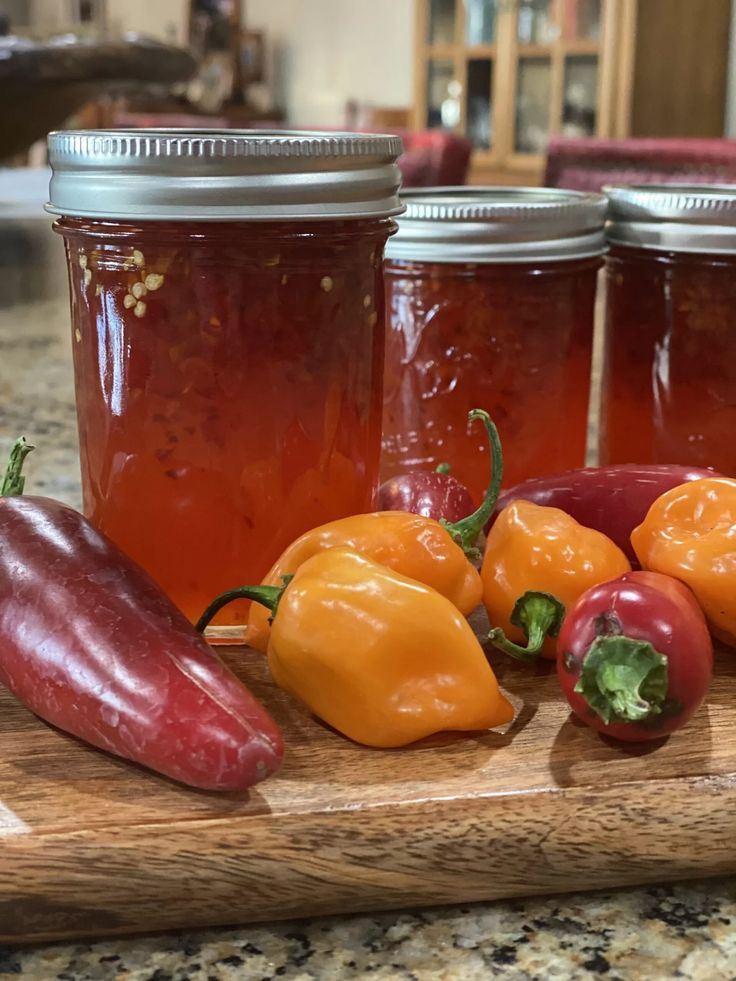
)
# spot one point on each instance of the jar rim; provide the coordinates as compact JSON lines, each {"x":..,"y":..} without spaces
{"x":677,"y":217}
{"x":223,"y":175}
{"x":496,"y":224}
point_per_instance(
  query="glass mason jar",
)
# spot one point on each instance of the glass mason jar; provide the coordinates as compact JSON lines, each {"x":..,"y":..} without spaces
{"x":490,"y":295}
{"x":669,"y":377}
{"x":228,"y":330}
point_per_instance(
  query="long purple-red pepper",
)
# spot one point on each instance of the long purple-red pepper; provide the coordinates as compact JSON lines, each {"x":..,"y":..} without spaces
{"x":614,"y":500}
{"x":91,"y":645}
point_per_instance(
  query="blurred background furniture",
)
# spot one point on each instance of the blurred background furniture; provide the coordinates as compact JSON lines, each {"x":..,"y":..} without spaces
{"x":510,"y":75}
{"x":378,"y":118}
{"x":75,"y":63}
{"x":43,"y":83}
{"x":229,"y":58}
{"x":589,"y":164}
{"x":433,"y":157}
{"x":506,"y":75}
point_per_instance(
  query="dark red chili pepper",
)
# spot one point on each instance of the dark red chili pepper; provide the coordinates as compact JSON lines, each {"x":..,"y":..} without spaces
{"x":613,"y":500}
{"x":90,"y":644}
{"x":433,"y":494}
{"x":634,"y":656}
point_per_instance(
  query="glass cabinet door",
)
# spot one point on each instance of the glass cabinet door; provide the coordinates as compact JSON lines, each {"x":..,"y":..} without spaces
{"x":581,"y":19}
{"x":556,"y":70}
{"x":535,"y":22}
{"x":443,"y":95}
{"x":532,"y":105}
{"x":508,"y":74}
{"x":479,"y":102}
{"x":580,"y":96}
{"x":480,"y":21}
{"x":441,"y":22}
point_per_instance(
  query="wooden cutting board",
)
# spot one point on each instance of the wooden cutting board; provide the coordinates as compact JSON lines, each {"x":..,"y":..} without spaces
{"x":92,"y":845}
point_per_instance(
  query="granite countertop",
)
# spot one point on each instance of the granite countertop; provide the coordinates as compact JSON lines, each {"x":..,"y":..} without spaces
{"x":684,"y":931}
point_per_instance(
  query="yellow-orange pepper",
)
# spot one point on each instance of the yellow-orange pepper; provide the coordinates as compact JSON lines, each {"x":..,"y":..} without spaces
{"x":383,"y":659}
{"x":690,"y":533}
{"x":420,"y":548}
{"x":537,"y":562}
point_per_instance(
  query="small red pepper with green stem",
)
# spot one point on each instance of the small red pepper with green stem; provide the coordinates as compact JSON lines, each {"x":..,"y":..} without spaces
{"x":431,"y":493}
{"x":635,"y":658}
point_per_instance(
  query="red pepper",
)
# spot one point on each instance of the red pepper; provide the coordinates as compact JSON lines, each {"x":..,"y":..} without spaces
{"x":434,"y":494}
{"x":613,"y":500}
{"x":430,"y":493}
{"x":635,"y":657}
{"x":91,"y":645}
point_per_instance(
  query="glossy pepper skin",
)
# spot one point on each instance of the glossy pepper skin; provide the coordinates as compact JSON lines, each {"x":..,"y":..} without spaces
{"x":613,"y":500}
{"x":635,"y":658}
{"x":541,"y":551}
{"x":431,"y":493}
{"x":689,"y":533}
{"x":91,"y":645}
{"x":418,"y":547}
{"x":383,"y":659}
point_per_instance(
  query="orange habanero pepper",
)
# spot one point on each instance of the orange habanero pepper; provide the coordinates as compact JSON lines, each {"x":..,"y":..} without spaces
{"x":383,"y":659}
{"x":690,"y":533}
{"x":421,"y":548}
{"x":538,"y":561}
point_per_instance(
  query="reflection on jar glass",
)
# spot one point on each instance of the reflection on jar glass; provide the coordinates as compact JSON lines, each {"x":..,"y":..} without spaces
{"x":669,"y":379}
{"x":490,"y":305}
{"x":228,"y":376}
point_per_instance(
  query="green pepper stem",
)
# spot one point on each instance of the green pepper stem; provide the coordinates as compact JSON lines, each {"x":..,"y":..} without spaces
{"x":539,"y":615}
{"x":466,"y":531}
{"x":623,"y":679}
{"x":268,"y":596}
{"x":13,"y":480}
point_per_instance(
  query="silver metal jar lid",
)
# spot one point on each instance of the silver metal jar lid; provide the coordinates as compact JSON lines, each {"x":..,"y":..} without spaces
{"x":673,"y":217}
{"x":498,"y":224}
{"x":223,"y":175}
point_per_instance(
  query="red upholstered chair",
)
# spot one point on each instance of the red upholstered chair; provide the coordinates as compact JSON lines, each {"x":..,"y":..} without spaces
{"x":589,"y":164}
{"x":431,"y":157}
{"x":434,"y":157}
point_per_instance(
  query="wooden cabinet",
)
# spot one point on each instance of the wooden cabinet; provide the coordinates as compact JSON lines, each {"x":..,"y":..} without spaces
{"x":510,"y":73}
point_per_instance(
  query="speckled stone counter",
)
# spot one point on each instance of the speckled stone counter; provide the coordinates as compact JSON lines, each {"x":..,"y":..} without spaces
{"x":683,"y":931}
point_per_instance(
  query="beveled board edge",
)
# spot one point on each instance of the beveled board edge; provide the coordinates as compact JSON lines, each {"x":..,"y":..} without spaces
{"x":456,"y":850}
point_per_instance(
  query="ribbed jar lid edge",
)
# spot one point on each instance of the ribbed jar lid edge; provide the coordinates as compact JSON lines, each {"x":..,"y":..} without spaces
{"x":669,"y":201}
{"x":677,"y":217}
{"x":498,"y":224}
{"x":223,"y":175}
{"x":172,"y":143}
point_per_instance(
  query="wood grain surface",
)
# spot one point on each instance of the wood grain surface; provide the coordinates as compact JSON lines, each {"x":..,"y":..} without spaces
{"x":93,"y":845}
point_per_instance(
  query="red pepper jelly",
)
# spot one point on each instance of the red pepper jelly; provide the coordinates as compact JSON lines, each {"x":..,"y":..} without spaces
{"x":490,"y":305}
{"x":669,"y":377}
{"x":228,"y":332}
